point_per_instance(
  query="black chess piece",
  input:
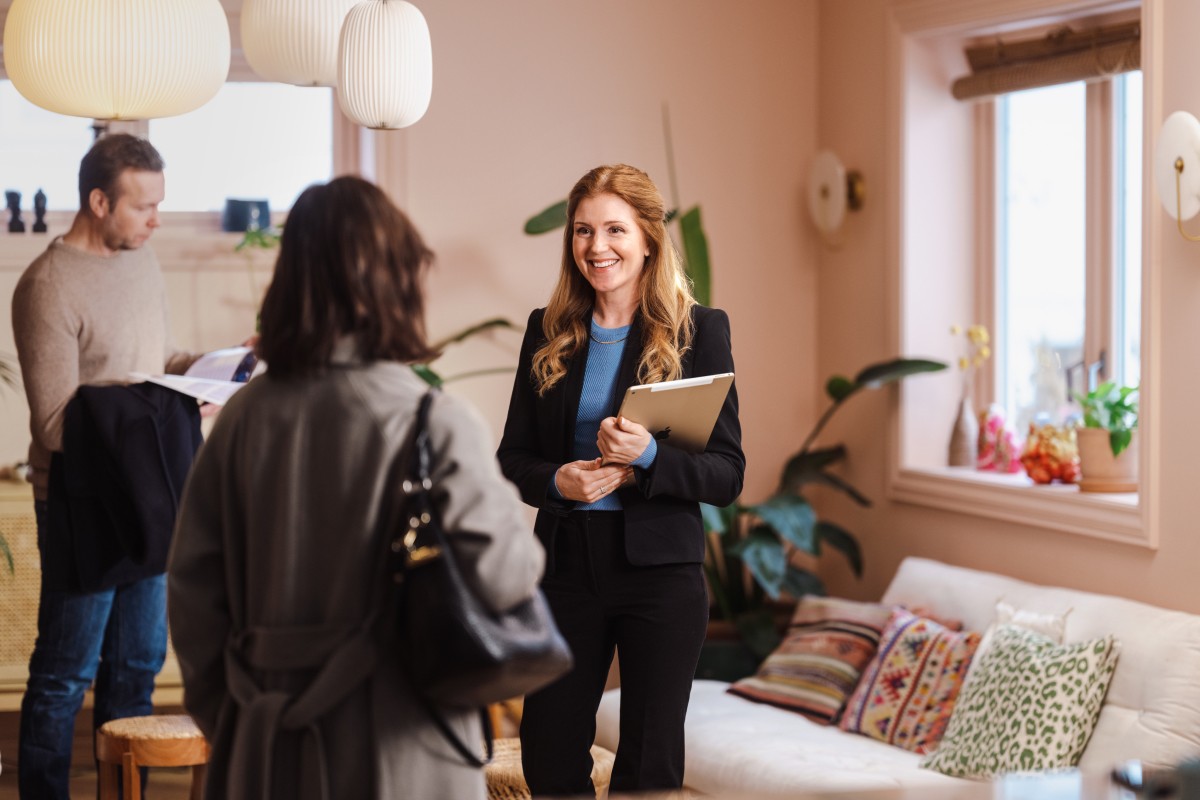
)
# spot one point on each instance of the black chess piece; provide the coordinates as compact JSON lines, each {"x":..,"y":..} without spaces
{"x":15,"y":225}
{"x":39,"y":212}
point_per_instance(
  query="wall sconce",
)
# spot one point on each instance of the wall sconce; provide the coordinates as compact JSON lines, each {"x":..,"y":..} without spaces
{"x":831,"y":190}
{"x":385,"y":64}
{"x":1177,"y":168}
{"x":117,"y":61}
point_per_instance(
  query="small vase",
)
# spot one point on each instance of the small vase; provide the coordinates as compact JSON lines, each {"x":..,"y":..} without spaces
{"x":964,"y":437}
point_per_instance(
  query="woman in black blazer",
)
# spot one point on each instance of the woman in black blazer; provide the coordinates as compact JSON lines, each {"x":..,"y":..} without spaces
{"x":618,"y":510}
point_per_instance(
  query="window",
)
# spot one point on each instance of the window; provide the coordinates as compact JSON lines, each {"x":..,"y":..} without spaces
{"x":40,"y":150}
{"x":252,"y":141}
{"x":1067,"y":291}
{"x":1020,"y":208}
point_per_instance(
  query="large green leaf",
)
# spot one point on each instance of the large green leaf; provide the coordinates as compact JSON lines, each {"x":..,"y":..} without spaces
{"x":842,"y":485}
{"x":428,"y":375}
{"x":758,"y":632}
{"x":7,"y":555}
{"x":791,"y":517}
{"x":695,"y":254}
{"x":799,"y":582}
{"x":1118,"y":440}
{"x":801,"y":467}
{"x":877,"y":375}
{"x":551,"y":218}
{"x":839,"y":387}
{"x":763,"y":555}
{"x":720,"y":520}
{"x":839,"y":538}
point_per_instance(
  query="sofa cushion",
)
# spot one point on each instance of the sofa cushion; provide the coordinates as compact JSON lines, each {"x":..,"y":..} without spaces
{"x":1052,"y":626}
{"x":1152,"y":712}
{"x":1030,"y":705}
{"x":816,"y":667}
{"x":908,"y":690}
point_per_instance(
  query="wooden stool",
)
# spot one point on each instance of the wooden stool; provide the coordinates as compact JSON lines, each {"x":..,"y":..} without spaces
{"x":124,"y":745}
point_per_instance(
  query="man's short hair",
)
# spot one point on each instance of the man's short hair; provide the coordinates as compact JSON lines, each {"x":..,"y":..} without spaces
{"x":108,"y":158}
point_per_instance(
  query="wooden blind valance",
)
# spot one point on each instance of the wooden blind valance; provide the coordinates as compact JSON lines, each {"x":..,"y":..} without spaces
{"x":1061,"y":56}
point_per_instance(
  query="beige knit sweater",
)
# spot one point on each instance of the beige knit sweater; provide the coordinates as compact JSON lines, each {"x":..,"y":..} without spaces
{"x":82,"y":319}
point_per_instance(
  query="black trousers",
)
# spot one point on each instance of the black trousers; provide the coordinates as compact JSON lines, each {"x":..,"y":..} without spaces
{"x":656,"y":617}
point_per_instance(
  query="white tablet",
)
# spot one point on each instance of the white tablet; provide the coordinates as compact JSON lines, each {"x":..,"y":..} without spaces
{"x":681,"y":413}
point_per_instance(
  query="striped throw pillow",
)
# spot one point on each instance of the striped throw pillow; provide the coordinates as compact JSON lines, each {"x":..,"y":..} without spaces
{"x":815,"y":669}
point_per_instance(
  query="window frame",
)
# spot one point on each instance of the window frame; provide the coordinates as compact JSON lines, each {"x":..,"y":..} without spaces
{"x":922,"y":27}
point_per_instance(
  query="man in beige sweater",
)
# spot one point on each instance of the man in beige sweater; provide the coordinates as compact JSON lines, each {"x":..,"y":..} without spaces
{"x":89,"y":310}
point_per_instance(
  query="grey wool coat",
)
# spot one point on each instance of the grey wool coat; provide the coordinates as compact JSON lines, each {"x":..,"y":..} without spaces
{"x":276,"y":571}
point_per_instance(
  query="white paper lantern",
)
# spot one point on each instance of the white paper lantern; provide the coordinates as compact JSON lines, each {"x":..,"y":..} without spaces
{"x":294,"y":41}
{"x":117,"y":59}
{"x":385,"y":64}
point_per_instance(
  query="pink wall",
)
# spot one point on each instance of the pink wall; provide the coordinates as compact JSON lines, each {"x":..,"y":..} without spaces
{"x":852,"y":111}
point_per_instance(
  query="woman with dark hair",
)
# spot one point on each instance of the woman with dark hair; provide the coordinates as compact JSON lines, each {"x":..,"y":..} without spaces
{"x":618,"y":511}
{"x":278,"y":593}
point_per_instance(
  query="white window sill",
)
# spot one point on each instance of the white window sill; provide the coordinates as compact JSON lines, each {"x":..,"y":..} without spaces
{"x":1014,"y":498}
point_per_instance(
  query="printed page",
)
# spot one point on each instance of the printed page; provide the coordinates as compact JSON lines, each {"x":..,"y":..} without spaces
{"x":228,"y":364}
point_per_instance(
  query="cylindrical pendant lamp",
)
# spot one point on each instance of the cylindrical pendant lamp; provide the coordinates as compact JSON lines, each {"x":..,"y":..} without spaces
{"x":385,"y":64}
{"x":294,"y":41}
{"x":117,"y":59}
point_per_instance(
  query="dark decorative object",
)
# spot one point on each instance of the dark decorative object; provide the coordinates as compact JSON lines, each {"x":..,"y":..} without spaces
{"x":244,"y":215}
{"x":15,"y":225}
{"x":39,"y":212}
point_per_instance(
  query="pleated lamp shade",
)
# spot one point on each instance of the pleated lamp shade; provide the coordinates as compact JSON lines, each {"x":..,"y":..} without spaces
{"x":294,"y":41}
{"x":385,"y":64}
{"x":117,"y":59}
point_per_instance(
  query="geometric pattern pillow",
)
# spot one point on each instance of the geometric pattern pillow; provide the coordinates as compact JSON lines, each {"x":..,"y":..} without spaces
{"x":907,"y":693}
{"x":1030,"y":705}
{"x":817,"y":665}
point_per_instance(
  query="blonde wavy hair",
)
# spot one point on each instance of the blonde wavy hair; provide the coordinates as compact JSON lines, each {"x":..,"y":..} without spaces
{"x":666,"y":295}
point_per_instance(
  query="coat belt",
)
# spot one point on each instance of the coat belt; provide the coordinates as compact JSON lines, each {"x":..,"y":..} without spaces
{"x":343,"y":658}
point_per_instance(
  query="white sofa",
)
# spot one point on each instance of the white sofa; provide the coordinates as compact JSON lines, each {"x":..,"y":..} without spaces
{"x":1152,"y":711}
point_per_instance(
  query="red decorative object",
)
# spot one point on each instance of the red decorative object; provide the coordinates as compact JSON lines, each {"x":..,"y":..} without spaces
{"x":1051,"y":454}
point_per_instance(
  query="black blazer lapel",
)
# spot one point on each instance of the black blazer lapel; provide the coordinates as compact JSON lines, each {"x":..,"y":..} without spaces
{"x":568,"y":405}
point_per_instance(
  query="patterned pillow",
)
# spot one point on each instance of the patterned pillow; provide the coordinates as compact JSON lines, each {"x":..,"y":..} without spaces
{"x":816,"y":667}
{"x":1030,"y":705}
{"x":908,"y":690}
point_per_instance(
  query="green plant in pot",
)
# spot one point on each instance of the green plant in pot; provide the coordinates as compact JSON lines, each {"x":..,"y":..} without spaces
{"x":1108,"y":458}
{"x":750,"y":563}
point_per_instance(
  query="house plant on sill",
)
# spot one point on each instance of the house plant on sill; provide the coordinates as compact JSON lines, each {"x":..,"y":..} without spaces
{"x":1108,"y":448}
{"x":750,"y":558}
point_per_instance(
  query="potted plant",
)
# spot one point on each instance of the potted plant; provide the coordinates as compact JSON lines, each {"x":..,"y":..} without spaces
{"x":749,"y":563}
{"x":1108,"y":453}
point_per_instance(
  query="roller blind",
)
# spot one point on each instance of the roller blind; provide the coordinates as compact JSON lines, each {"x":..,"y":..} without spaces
{"x":1061,"y":56}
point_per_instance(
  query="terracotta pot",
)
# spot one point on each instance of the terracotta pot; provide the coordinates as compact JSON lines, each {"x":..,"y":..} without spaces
{"x":1099,"y":470}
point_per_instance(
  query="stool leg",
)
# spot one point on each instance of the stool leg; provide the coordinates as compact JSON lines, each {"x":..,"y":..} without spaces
{"x":109,"y":781}
{"x":133,"y":778}
{"x":198,"y":774}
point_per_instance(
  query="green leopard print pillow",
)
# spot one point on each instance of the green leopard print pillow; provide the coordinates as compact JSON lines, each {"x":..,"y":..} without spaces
{"x":1029,"y":704}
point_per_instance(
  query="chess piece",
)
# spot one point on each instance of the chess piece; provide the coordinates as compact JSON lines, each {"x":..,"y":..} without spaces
{"x":15,"y":225}
{"x":39,"y":212}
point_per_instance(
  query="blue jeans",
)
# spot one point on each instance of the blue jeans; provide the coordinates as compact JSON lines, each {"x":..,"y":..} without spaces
{"x":116,"y":637}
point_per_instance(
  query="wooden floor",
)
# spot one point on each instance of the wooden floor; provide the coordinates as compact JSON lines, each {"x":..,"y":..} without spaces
{"x":164,"y":784}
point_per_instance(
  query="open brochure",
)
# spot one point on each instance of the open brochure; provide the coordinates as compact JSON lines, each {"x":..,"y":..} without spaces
{"x":214,"y":377}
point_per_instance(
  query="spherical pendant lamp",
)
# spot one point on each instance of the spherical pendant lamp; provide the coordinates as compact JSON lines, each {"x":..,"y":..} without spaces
{"x":117,"y":59}
{"x":294,"y":41}
{"x":385,"y":64}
